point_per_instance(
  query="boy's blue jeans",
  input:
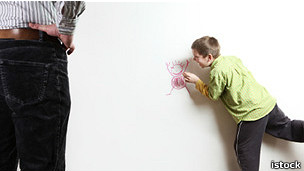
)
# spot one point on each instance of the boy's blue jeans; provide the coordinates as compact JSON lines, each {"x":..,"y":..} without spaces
{"x":250,"y":134}
{"x":34,"y":105}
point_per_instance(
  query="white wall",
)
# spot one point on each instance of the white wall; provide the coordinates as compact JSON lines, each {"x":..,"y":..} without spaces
{"x":121,"y":118}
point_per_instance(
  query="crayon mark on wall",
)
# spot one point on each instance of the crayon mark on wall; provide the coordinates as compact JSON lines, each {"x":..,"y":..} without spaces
{"x":176,"y":69}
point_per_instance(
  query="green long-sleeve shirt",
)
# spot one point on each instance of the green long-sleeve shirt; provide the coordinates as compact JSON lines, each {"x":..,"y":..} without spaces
{"x":232,"y":82}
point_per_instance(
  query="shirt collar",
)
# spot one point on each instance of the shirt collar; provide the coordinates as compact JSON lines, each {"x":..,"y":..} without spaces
{"x":216,"y":60}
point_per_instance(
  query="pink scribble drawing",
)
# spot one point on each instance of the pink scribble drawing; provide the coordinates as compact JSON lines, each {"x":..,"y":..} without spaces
{"x":176,"y":69}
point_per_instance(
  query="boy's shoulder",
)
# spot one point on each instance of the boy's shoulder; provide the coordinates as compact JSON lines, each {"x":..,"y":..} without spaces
{"x":227,"y":59}
{"x":224,"y":62}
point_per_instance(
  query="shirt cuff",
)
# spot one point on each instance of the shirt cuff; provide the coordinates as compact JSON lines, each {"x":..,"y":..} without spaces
{"x":67,"y":26}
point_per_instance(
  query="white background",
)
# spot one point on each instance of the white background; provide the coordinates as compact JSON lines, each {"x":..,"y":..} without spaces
{"x":121,"y":118}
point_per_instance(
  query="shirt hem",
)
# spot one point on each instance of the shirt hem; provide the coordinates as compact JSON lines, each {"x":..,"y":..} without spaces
{"x":260,"y":117}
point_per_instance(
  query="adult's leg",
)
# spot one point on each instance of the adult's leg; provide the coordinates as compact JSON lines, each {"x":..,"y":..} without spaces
{"x":280,"y":126}
{"x":8,"y":153}
{"x":248,"y":143}
{"x":36,"y":89}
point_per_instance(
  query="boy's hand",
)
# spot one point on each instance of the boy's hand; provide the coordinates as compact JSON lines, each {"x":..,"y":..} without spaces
{"x":190,"y":78}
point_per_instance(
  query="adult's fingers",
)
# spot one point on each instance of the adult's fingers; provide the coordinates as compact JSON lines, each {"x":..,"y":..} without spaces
{"x":38,"y":27}
{"x":71,"y":49}
{"x":67,"y":40}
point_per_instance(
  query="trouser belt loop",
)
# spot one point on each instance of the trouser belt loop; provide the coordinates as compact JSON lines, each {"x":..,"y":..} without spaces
{"x":40,"y":35}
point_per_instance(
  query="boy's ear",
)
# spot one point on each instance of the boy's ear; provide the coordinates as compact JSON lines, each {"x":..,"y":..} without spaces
{"x":210,"y":57}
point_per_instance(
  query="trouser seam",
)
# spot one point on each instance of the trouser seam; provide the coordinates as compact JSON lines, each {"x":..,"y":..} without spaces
{"x":59,"y":127}
{"x":237,"y":142}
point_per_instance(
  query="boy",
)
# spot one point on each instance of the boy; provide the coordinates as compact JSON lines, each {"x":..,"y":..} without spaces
{"x":250,"y":105}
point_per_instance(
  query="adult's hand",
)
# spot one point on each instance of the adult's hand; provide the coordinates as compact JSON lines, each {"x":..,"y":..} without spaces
{"x":52,"y":30}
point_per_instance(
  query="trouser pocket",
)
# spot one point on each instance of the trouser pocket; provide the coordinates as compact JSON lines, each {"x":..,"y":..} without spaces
{"x":22,"y":81}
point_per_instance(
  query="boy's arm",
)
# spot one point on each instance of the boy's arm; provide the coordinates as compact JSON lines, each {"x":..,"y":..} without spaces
{"x":202,"y":87}
{"x":199,"y":84}
{"x":216,"y":86}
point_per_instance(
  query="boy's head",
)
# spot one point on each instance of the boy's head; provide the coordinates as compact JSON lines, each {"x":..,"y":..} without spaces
{"x":205,"y":50}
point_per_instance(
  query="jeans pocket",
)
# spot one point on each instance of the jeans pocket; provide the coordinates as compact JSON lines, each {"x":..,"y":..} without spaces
{"x":22,"y":81}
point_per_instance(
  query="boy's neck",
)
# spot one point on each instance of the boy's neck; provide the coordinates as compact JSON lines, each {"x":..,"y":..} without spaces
{"x":211,"y":62}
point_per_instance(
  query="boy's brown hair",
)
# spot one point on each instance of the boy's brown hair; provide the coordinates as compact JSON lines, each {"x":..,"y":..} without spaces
{"x":207,"y":45}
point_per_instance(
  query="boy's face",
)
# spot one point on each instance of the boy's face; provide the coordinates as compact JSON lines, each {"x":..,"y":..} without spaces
{"x":201,"y":60}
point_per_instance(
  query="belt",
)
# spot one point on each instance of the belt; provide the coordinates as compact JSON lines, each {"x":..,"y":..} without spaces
{"x":26,"y":34}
